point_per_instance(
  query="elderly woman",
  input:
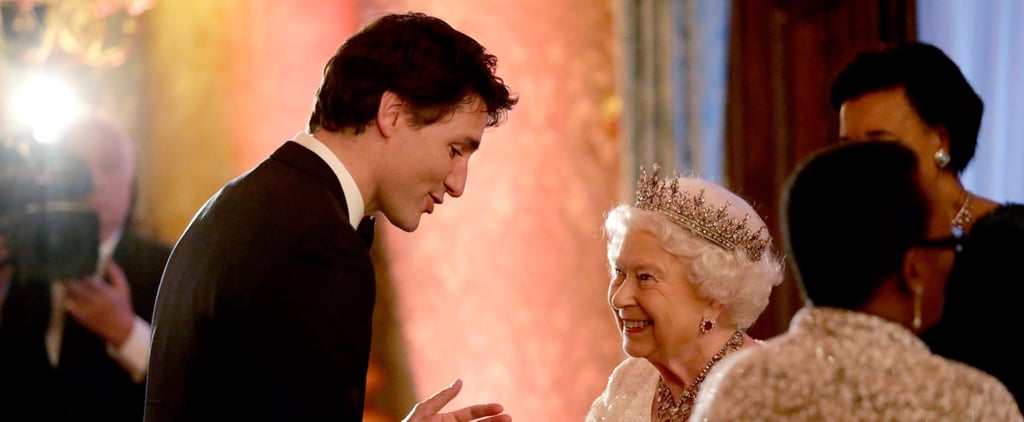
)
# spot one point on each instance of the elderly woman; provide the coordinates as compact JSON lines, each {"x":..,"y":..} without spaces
{"x":692,"y":267}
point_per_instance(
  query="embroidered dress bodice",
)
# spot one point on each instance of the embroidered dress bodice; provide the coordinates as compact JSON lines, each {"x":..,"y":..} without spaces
{"x":629,"y":394}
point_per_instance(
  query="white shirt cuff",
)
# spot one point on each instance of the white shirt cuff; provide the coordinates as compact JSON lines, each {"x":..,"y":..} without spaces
{"x":133,"y":355}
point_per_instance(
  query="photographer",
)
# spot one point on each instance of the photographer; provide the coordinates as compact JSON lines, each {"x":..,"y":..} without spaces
{"x":78,"y":349}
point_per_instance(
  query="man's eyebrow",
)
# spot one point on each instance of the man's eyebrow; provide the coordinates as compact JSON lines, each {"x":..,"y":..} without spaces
{"x":471,"y":142}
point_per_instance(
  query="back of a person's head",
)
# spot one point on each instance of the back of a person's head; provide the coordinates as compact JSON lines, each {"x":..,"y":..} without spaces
{"x":849,"y":213}
{"x":429,"y":64}
{"x":936,"y":88}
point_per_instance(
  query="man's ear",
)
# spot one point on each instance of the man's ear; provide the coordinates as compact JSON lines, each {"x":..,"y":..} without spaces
{"x":389,"y":113}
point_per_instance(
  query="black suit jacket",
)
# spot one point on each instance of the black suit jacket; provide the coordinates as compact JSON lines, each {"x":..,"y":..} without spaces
{"x":264,"y":311}
{"x":87,"y":384}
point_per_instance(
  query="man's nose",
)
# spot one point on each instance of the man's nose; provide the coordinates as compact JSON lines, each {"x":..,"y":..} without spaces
{"x":455,"y":183}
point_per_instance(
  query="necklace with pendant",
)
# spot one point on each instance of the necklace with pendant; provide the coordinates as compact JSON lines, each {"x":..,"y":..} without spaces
{"x":963,"y":216}
{"x":669,"y":410}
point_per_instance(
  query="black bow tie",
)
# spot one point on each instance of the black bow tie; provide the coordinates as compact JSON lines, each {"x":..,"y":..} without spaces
{"x":365,"y":230}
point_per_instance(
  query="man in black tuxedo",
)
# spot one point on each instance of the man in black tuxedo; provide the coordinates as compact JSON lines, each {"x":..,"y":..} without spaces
{"x":264,"y":311}
{"x":78,"y":350}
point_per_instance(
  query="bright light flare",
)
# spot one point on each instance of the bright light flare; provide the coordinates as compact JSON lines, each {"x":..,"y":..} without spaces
{"x":45,"y":104}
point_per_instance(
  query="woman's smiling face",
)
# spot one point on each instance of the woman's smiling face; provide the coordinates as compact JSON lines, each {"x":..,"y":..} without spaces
{"x":657,"y":308}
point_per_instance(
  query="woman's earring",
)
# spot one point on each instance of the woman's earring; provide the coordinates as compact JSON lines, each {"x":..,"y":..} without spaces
{"x":707,"y":324}
{"x":941,"y":158}
{"x":918,"y":293}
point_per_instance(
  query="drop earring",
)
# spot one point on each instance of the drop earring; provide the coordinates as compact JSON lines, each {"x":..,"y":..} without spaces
{"x":918,"y":293}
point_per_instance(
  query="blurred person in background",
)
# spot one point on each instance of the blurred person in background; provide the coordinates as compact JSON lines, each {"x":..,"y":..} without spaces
{"x":914,"y":94}
{"x":77,"y":350}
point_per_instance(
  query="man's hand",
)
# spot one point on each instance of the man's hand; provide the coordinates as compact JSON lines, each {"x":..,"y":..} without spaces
{"x":104,"y":309}
{"x":427,"y":410}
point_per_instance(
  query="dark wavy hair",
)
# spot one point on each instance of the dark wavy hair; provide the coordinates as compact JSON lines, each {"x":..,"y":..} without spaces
{"x":846,"y":229}
{"x":433,"y":67}
{"x":934,"y":85}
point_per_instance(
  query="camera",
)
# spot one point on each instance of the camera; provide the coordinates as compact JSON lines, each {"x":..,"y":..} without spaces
{"x":50,"y":231}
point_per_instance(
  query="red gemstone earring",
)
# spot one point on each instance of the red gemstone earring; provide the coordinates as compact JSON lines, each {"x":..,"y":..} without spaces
{"x":707,"y":324}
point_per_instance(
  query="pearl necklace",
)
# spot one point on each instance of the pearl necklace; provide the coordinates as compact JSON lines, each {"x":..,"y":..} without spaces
{"x":669,"y":410}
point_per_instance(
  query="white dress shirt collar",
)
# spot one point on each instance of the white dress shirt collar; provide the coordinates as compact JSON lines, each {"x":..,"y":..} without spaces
{"x":353,"y":197}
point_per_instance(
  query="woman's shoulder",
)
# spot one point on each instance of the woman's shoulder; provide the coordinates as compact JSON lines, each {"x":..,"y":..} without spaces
{"x":628,"y":394}
{"x":631,"y":370}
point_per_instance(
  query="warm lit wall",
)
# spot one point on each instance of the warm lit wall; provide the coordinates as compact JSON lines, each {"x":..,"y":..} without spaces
{"x":227,"y":83}
{"x":504,"y":287}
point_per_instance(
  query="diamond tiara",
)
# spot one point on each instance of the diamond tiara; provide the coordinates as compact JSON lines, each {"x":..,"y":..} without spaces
{"x":694,"y":213}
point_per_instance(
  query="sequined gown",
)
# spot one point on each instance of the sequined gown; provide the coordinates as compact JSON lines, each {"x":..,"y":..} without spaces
{"x":837,"y":365}
{"x":629,"y":394}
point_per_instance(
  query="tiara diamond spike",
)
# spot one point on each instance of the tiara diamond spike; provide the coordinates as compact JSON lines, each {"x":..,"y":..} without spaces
{"x":693,"y":212}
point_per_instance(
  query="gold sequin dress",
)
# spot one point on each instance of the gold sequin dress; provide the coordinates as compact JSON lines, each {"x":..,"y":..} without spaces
{"x":837,"y":365}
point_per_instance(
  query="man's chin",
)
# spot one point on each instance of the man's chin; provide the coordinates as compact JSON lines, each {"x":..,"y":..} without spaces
{"x":406,"y":226}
